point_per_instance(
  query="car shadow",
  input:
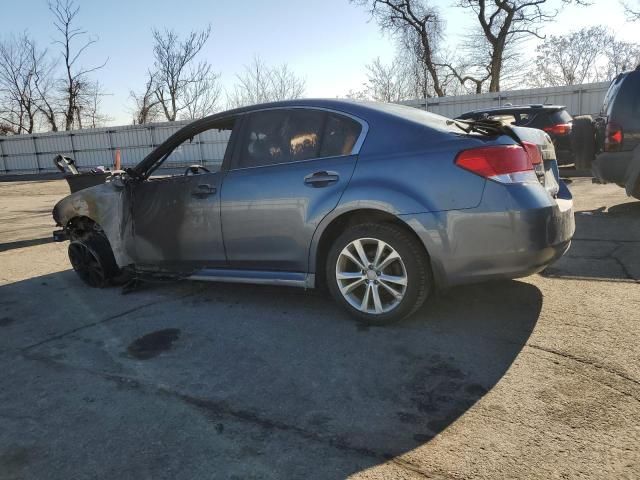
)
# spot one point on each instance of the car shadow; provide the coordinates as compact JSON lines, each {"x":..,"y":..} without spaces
{"x":25,"y":243}
{"x":604,"y":247}
{"x":286,"y":370}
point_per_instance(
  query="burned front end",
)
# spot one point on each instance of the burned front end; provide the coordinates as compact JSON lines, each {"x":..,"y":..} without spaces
{"x":98,"y":215}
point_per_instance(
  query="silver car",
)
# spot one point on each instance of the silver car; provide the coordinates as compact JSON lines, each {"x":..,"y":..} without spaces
{"x":383,"y":204}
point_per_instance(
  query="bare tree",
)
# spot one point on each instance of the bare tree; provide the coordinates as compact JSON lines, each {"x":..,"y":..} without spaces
{"x":360,"y":94}
{"x":285,"y":85}
{"x":44,"y":84}
{"x":18,"y":106}
{"x":260,"y":83}
{"x":182,"y":87}
{"x":471,"y":63}
{"x":147,"y":106}
{"x":89,"y":111}
{"x":386,"y":83}
{"x":570,"y":59}
{"x":633,"y":13}
{"x":76,"y":83}
{"x":418,"y":27}
{"x":618,"y":56}
{"x":202,"y":97}
{"x":252,"y":86}
{"x":504,"y":23}
{"x":6,"y":129}
{"x":588,"y":55}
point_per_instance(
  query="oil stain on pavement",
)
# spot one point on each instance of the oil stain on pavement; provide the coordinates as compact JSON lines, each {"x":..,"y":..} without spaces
{"x":153,"y":344}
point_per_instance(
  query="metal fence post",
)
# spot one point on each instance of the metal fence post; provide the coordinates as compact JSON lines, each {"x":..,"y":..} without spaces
{"x":580,"y":90}
{"x":4,"y":164}
{"x":200,"y":143}
{"x":35,"y":151}
{"x":111,"y":147}
{"x":73,"y":148}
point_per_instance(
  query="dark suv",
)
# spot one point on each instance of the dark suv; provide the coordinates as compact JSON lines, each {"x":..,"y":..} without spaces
{"x":618,"y":134}
{"x":553,"y":119}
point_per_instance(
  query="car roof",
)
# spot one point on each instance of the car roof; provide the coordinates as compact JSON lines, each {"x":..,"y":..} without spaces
{"x":366,"y":111}
{"x":517,"y":108}
{"x":353,"y":107}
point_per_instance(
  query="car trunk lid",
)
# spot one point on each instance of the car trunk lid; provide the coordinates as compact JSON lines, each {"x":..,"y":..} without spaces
{"x":546,"y":168}
{"x":547,"y":173}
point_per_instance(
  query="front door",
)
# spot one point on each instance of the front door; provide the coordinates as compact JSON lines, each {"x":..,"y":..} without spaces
{"x":291,"y":168}
{"x":176,"y":217}
{"x":177,"y":222}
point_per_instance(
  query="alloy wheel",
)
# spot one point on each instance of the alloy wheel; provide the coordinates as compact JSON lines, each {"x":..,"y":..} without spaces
{"x":371,"y":276}
{"x":86,"y":264}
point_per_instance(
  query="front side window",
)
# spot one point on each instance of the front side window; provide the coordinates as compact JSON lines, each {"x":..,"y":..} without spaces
{"x":283,"y":136}
{"x":207,"y":149}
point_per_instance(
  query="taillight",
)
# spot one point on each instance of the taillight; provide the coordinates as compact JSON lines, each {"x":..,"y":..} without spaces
{"x":501,"y":163}
{"x":613,"y":137}
{"x":533,"y":151}
{"x":559,"y":129}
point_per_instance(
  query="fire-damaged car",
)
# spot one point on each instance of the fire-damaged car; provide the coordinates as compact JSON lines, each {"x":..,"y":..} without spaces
{"x":380,"y":203}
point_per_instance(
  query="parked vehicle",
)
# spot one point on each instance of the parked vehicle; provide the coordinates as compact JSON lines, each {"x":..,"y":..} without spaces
{"x":381,"y":203}
{"x":553,"y":119}
{"x":617,"y":135}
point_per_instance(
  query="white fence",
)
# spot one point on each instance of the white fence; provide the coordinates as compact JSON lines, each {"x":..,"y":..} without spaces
{"x":93,"y":147}
{"x":583,"y":99}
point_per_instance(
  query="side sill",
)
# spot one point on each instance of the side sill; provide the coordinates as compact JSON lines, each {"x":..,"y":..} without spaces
{"x":291,"y":279}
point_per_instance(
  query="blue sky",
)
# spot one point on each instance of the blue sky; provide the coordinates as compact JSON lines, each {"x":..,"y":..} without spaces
{"x":328,"y":42}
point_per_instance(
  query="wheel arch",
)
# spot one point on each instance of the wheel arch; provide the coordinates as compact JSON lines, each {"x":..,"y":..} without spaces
{"x":80,"y":226}
{"x":329,"y":231}
{"x":104,"y":207}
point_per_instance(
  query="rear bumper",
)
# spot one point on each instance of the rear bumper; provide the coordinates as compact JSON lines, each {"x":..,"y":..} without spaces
{"x":612,"y":167}
{"x":622,"y":168}
{"x":531,"y":231}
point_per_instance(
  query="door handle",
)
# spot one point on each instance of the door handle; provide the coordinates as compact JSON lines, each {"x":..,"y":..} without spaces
{"x":204,"y":190}
{"x":321,"y":179}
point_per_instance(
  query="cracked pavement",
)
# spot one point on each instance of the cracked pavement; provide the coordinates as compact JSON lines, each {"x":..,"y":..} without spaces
{"x":532,"y":378}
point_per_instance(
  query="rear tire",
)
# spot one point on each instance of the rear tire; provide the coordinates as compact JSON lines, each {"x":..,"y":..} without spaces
{"x":93,"y":260}
{"x":583,"y":142}
{"x":395,"y":281}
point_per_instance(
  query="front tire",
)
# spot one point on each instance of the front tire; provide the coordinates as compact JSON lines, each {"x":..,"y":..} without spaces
{"x":379,"y":273}
{"x":93,"y":260}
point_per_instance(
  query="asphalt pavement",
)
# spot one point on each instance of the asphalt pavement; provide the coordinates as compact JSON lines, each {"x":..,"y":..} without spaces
{"x":530,"y":378}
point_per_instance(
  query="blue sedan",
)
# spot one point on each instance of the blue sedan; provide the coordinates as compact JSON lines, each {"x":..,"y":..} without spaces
{"x":383,"y":204}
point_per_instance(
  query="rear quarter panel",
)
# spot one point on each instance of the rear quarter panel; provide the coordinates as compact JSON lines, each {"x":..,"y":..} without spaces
{"x":408,"y":171}
{"x":417,"y":180}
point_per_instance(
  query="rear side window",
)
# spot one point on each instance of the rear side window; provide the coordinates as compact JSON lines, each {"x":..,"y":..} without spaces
{"x":523,"y":119}
{"x":561,"y":116}
{"x":302,"y":132}
{"x":627,"y":99}
{"x":283,"y":136}
{"x":611,"y":94}
{"x":340,"y":136}
{"x":505,"y":119}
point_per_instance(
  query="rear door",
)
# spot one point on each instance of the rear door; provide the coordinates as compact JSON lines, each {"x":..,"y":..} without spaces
{"x":289,"y":171}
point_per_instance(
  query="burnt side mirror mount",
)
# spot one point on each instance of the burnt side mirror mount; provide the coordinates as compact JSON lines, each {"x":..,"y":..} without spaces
{"x":118,"y":182}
